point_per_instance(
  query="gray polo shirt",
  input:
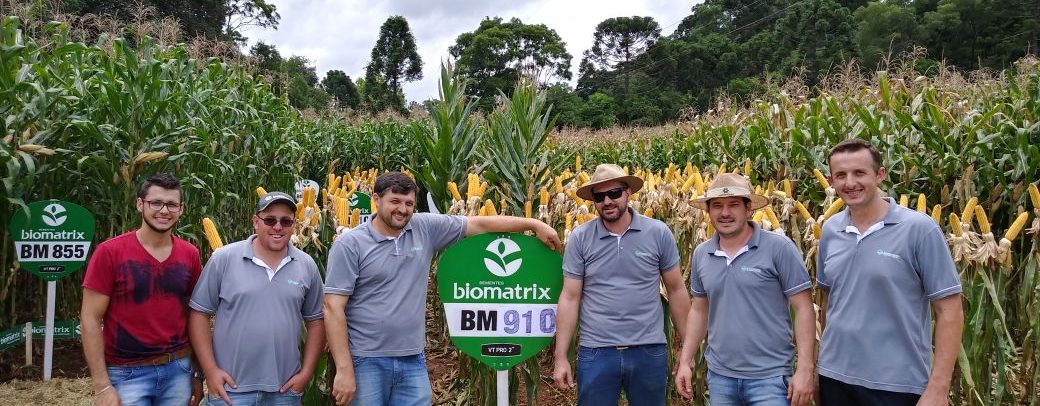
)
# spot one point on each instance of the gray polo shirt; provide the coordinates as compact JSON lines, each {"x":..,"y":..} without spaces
{"x":256,"y":337}
{"x":749,"y":324}
{"x":621,"y":280}
{"x":879,"y":319}
{"x":386,"y":279}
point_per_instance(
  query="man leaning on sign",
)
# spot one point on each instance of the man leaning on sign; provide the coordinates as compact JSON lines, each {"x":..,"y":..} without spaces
{"x":613,"y":268}
{"x":375,"y":293}
{"x":139,"y":283}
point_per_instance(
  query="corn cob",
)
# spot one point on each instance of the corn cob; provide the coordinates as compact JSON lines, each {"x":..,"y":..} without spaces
{"x":527,"y":209}
{"x":980,"y":217}
{"x":454,"y":190}
{"x":543,"y":197}
{"x":969,"y":211}
{"x":788,"y":188}
{"x":722,"y":168}
{"x":747,"y":167}
{"x":1034,"y":195}
{"x":802,"y":210}
{"x":922,"y":203}
{"x":834,"y":209}
{"x":820,"y":178}
{"x":904,"y":200}
{"x":260,"y":192}
{"x":937,"y":213}
{"x":772,"y":217}
{"x":649,"y":212}
{"x":212,"y":236}
{"x":1017,"y":226}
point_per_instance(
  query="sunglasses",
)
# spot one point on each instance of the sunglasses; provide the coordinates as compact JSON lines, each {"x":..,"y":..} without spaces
{"x":271,"y":221}
{"x":613,"y":194}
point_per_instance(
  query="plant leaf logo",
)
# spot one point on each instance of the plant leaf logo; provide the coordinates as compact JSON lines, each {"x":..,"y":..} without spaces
{"x":502,"y":248}
{"x":54,"y":215}
{"x":353,"y":199}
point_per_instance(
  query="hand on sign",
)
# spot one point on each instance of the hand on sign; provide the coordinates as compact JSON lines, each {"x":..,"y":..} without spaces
{"x":562,"y":374}
{"x":548,"y":236}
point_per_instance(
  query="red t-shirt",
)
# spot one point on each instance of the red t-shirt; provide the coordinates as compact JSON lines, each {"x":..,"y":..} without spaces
{"x":147,"y":311}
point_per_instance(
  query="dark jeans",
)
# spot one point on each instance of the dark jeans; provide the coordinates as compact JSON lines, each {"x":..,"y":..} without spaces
{"x":640,"y":370}
{"x":837,"y":393}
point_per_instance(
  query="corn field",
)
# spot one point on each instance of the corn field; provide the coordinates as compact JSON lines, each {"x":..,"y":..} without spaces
{"x":85,"y":121}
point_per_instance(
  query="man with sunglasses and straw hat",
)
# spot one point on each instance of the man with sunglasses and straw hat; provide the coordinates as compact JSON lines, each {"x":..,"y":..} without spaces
{"x":613,"y":267}
{"x":261,"y":291}
{"x":743,"y":280}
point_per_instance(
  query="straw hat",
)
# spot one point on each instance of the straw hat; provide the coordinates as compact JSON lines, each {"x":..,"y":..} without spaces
{"x":606,"y":173}
{"x":731,"y":185}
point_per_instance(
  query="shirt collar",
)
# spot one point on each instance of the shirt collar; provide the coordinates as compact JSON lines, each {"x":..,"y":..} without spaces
{"x":293,"y":253}
{"x":379,"y":237}
{"x":637,"y":224}
{"x":894,"y":215}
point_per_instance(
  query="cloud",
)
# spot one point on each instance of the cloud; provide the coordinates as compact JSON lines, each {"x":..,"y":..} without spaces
{"x":339,"y":34}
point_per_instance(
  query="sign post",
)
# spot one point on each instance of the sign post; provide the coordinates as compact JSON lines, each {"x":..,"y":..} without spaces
{"x":500,"y":293}
{"x":52,"y":242}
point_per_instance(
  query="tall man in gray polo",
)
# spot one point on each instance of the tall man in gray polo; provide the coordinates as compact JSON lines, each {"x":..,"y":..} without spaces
{"x":375,"y":293}
{"x":613,"y":267}
{"x":884,"y":268}
{"x":261,"y":291}
{"x":744,"y":281}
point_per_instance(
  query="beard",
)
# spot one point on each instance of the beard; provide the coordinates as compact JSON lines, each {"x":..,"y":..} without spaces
{"x":388,"y":219}
{"x":610,"y":218}
{"x":148,"y":221}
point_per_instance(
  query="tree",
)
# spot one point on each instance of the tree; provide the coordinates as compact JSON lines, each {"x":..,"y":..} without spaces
{"x":598,"y":111}
{"x":973,"y":34}
{"x":338,"y":85}
{"x":394,"y":60}
{"x":618,"y":41}
{"x":812,"y":36}
{"x":497,"y":53}
{"x":883,"y":29}
{"x":239,"y":14}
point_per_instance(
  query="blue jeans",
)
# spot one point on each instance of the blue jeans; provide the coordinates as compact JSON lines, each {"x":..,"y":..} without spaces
{"x":166,"y":384}
{"x":726,"y":391}
{"x":640,"y":370}
{"x":392,"y":381}
{"x":257,"y":398}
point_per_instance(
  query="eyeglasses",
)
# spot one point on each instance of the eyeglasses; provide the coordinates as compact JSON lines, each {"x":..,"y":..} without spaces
{"x":271,"y":221}
{"x":158,"y":205}
{"x":613,"y":194}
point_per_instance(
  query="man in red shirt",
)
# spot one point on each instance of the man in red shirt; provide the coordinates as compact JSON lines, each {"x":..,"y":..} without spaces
{"x":138,"y":284}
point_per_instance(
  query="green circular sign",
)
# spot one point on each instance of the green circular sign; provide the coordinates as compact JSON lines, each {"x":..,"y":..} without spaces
{"x":500,"y":293}
{"x":363,"y":202}
{"x":54,"y":239}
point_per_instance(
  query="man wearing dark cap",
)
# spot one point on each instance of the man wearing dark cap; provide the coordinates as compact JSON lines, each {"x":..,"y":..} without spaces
{"x":613,"y":267}
{"x":260,"y":290}
{"x":745,"y":281}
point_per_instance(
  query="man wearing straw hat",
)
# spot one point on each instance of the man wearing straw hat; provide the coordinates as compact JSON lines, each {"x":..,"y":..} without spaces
{"x":613,"y":267}
{"x":883,"y":269}
{"x":744,"y":280}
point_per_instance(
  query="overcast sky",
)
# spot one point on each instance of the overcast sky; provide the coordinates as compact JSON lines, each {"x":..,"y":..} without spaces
{"x":339,"y":34}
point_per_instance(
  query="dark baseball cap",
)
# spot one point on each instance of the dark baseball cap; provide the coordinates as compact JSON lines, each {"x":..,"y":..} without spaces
{"x":270,"y":198}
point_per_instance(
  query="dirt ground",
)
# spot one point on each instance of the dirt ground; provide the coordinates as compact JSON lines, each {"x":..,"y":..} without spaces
{"x":23,"y":385}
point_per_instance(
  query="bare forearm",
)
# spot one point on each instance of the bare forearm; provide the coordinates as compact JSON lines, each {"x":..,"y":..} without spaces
{"x":805,"y":336}
{"x":336,"y":337}
{"x":679,"y":307}
{"x":201,"y":340}
{"x":94,"y":351}
{"x":949,"y":327}
{"x":566,"y":324}
{"x":315,"y":343}
{"x":696,"y":330}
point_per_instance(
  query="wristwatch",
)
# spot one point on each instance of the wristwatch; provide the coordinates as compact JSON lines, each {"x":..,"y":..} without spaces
{"x":196,"y":374}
